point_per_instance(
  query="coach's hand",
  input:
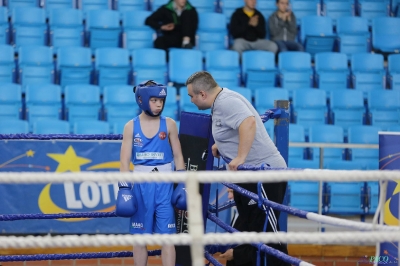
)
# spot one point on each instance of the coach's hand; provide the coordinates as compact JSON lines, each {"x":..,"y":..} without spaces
{"x":234,"y":164}
{"x":228,"y":255}
{"x":214,"y":150}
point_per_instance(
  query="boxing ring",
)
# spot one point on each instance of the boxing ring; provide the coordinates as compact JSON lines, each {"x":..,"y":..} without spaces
{"x":199,"y":241}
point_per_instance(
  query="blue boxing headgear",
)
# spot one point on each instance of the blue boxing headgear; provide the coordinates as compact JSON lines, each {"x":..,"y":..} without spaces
{"x":146,"y":90}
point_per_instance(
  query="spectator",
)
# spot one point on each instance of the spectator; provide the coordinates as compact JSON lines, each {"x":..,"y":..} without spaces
{"x":177,"y":20}
{"x":248,"y":29}
{"x":283,"y":28}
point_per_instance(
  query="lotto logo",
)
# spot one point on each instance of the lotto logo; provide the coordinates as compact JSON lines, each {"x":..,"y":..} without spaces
{"x":126,"y":197}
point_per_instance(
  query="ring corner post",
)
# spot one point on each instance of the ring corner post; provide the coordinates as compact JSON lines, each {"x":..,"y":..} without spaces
{"x":281,"y":132}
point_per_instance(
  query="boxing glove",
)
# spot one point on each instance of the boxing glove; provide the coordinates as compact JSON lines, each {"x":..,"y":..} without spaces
{"x":178,"y":198}
{"x":126,"y":204}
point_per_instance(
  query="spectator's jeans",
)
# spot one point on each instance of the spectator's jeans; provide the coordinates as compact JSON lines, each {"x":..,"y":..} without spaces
{"x":289,"y":46}
{"x":240,"y":45}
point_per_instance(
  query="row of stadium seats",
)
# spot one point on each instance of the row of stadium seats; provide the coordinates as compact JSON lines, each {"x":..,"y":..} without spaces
{"x":115,"y":66}
{"x":309,"y":106}
{"x":331,"y":8}
{"x":343,"y":198}
{"x":103,"y":28}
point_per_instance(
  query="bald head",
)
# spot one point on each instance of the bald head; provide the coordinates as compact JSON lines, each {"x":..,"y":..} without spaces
{"x":202,"y":80}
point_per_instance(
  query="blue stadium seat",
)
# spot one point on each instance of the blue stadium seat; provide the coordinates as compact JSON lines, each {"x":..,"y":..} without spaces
{"x":13,"y":126}
{"x":245,"y":92}
{"x":296,"y":134}
{"x":171,"y":104}
{"x":87,"y":5}
{"x":50,"y":5}
{"x":130,"y":5}
{"x":119,"y":104}
{"x":186,"y":105}
{"x":29,"y":26}
{"x":385,"y":34}
{"x":149,"y":63}
{"x":10,"y":101}
{"x":317,"y":34}
{"x":12,"y":4}
{"x":66,"y":27}
{"x":266,"y":8}
{"x":82,"y":102}
{"x":4,"y":26}
{"x":102,"y":28}
{"x":345,"y":165}
{"x":327,"y":134}
{"x":223,"y":65}
{"x":331,"y":71}
{"x":35,"y":65}
{"x":183,"y":63}
{"x":228,"y":7}
{"x":353,"y":35}
{"x":258,"y":69}
{"x":384,"y":108}
{"x":264,"y":98}
{"x":347,"y":108}
{"x":118,"y":128}
{"x":394,"y":128}
{"x":368,"y":72}
{"x":212,"y":33}
{"x":7,"y":64}
{"x":156,"y":4}
{"x":51,"y":126}
{"x":112,"y":66}
{"x":304,"y":195}
{"x":42,"y":102}
{"x":346,"y":197}
{"x":394,"y":71}
{"x":309,"y":108}
{"x":136,"y":34}
{"x":295,"y":70}
{"x":373,"y":9}
{"x":74,"y":65}
{"x":338,"y":8}
{"x":369,"y":158}
{"x":303,"y":8}
{"x":91,"y":127}
{"x":203,"y":6}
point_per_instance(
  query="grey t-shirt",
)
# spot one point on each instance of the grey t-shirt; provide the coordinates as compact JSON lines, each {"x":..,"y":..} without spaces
{"x":228,"y":112}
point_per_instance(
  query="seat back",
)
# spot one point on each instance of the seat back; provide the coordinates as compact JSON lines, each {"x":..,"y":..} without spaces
{"x":51,"y":126}
{"x":130,"y":5}
{"x":264,"y":98}
{"x":258,"y":69}
{"x":4,"y":26}
{"x":103,"y":28}
{"x":13,"y":126}
{"x":295,"y":70}
{"x":29,"y":26}
{"x":296,"y":134}
{"x":361,"y":134}
{"x":66,"y":27}
{"x":91,"y":127}
{"x":7,"y":64}
{"x":385,"y":32}
{"x":368,"y":72}
{"x":384,"y":108}
{"x":204,"y":6}
{"x":119,"y":104}
{"x":50,"y":5}
{"x":394,"y":71}
{"x":87,"y":5}
{"x":336,"y":9}
{"x":327,"y":134}
{"x":10,"y":101}
{"x":183,"y":63}
{"x":134,"y":19}
{"x":303,"y":8}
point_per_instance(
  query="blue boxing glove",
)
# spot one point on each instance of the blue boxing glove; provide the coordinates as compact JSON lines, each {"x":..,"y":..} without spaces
{"x":126,"y":205}
{"x":178,"y":198}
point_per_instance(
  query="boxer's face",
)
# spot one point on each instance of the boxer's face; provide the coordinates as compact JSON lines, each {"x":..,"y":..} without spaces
{"x":156,"y":105}
{"x":197,"y":99}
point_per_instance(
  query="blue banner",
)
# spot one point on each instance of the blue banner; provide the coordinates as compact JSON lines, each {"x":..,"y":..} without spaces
{"x":389,"y":159}
{"x":60,"y":156}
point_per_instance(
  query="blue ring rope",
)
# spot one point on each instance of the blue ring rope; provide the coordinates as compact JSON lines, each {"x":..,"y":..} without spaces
{"x":16,"y":217}
{"x":279,"y":254}
{"x":72,"y":256}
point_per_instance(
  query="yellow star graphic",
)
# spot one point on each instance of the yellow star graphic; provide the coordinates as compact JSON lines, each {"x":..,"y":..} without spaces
{"x":397,"y":188}
{"x":30,"y":153}
{"x":68,"y":161}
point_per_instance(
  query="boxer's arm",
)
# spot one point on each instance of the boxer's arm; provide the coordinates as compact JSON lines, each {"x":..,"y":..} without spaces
{"x":126,"y":147}
{"x":247,"y":132}
{"x":175,"y":144}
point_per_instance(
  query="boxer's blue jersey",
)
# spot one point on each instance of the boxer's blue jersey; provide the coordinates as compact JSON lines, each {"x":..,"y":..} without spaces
{"x":151,"y":151}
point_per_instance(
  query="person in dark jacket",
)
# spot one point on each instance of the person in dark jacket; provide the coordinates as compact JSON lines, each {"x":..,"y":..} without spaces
{"x":283,"y":28}
{"x":248,"y":29}
{"x":177,"y":22}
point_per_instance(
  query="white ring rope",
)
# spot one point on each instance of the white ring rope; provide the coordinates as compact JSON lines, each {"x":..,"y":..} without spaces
{"x":207,"y":239}
{"x":203,"y":176}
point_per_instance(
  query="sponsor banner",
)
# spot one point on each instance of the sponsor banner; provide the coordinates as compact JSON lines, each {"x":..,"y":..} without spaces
{"x":60,"y":156}
{"x":389,"y":159}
